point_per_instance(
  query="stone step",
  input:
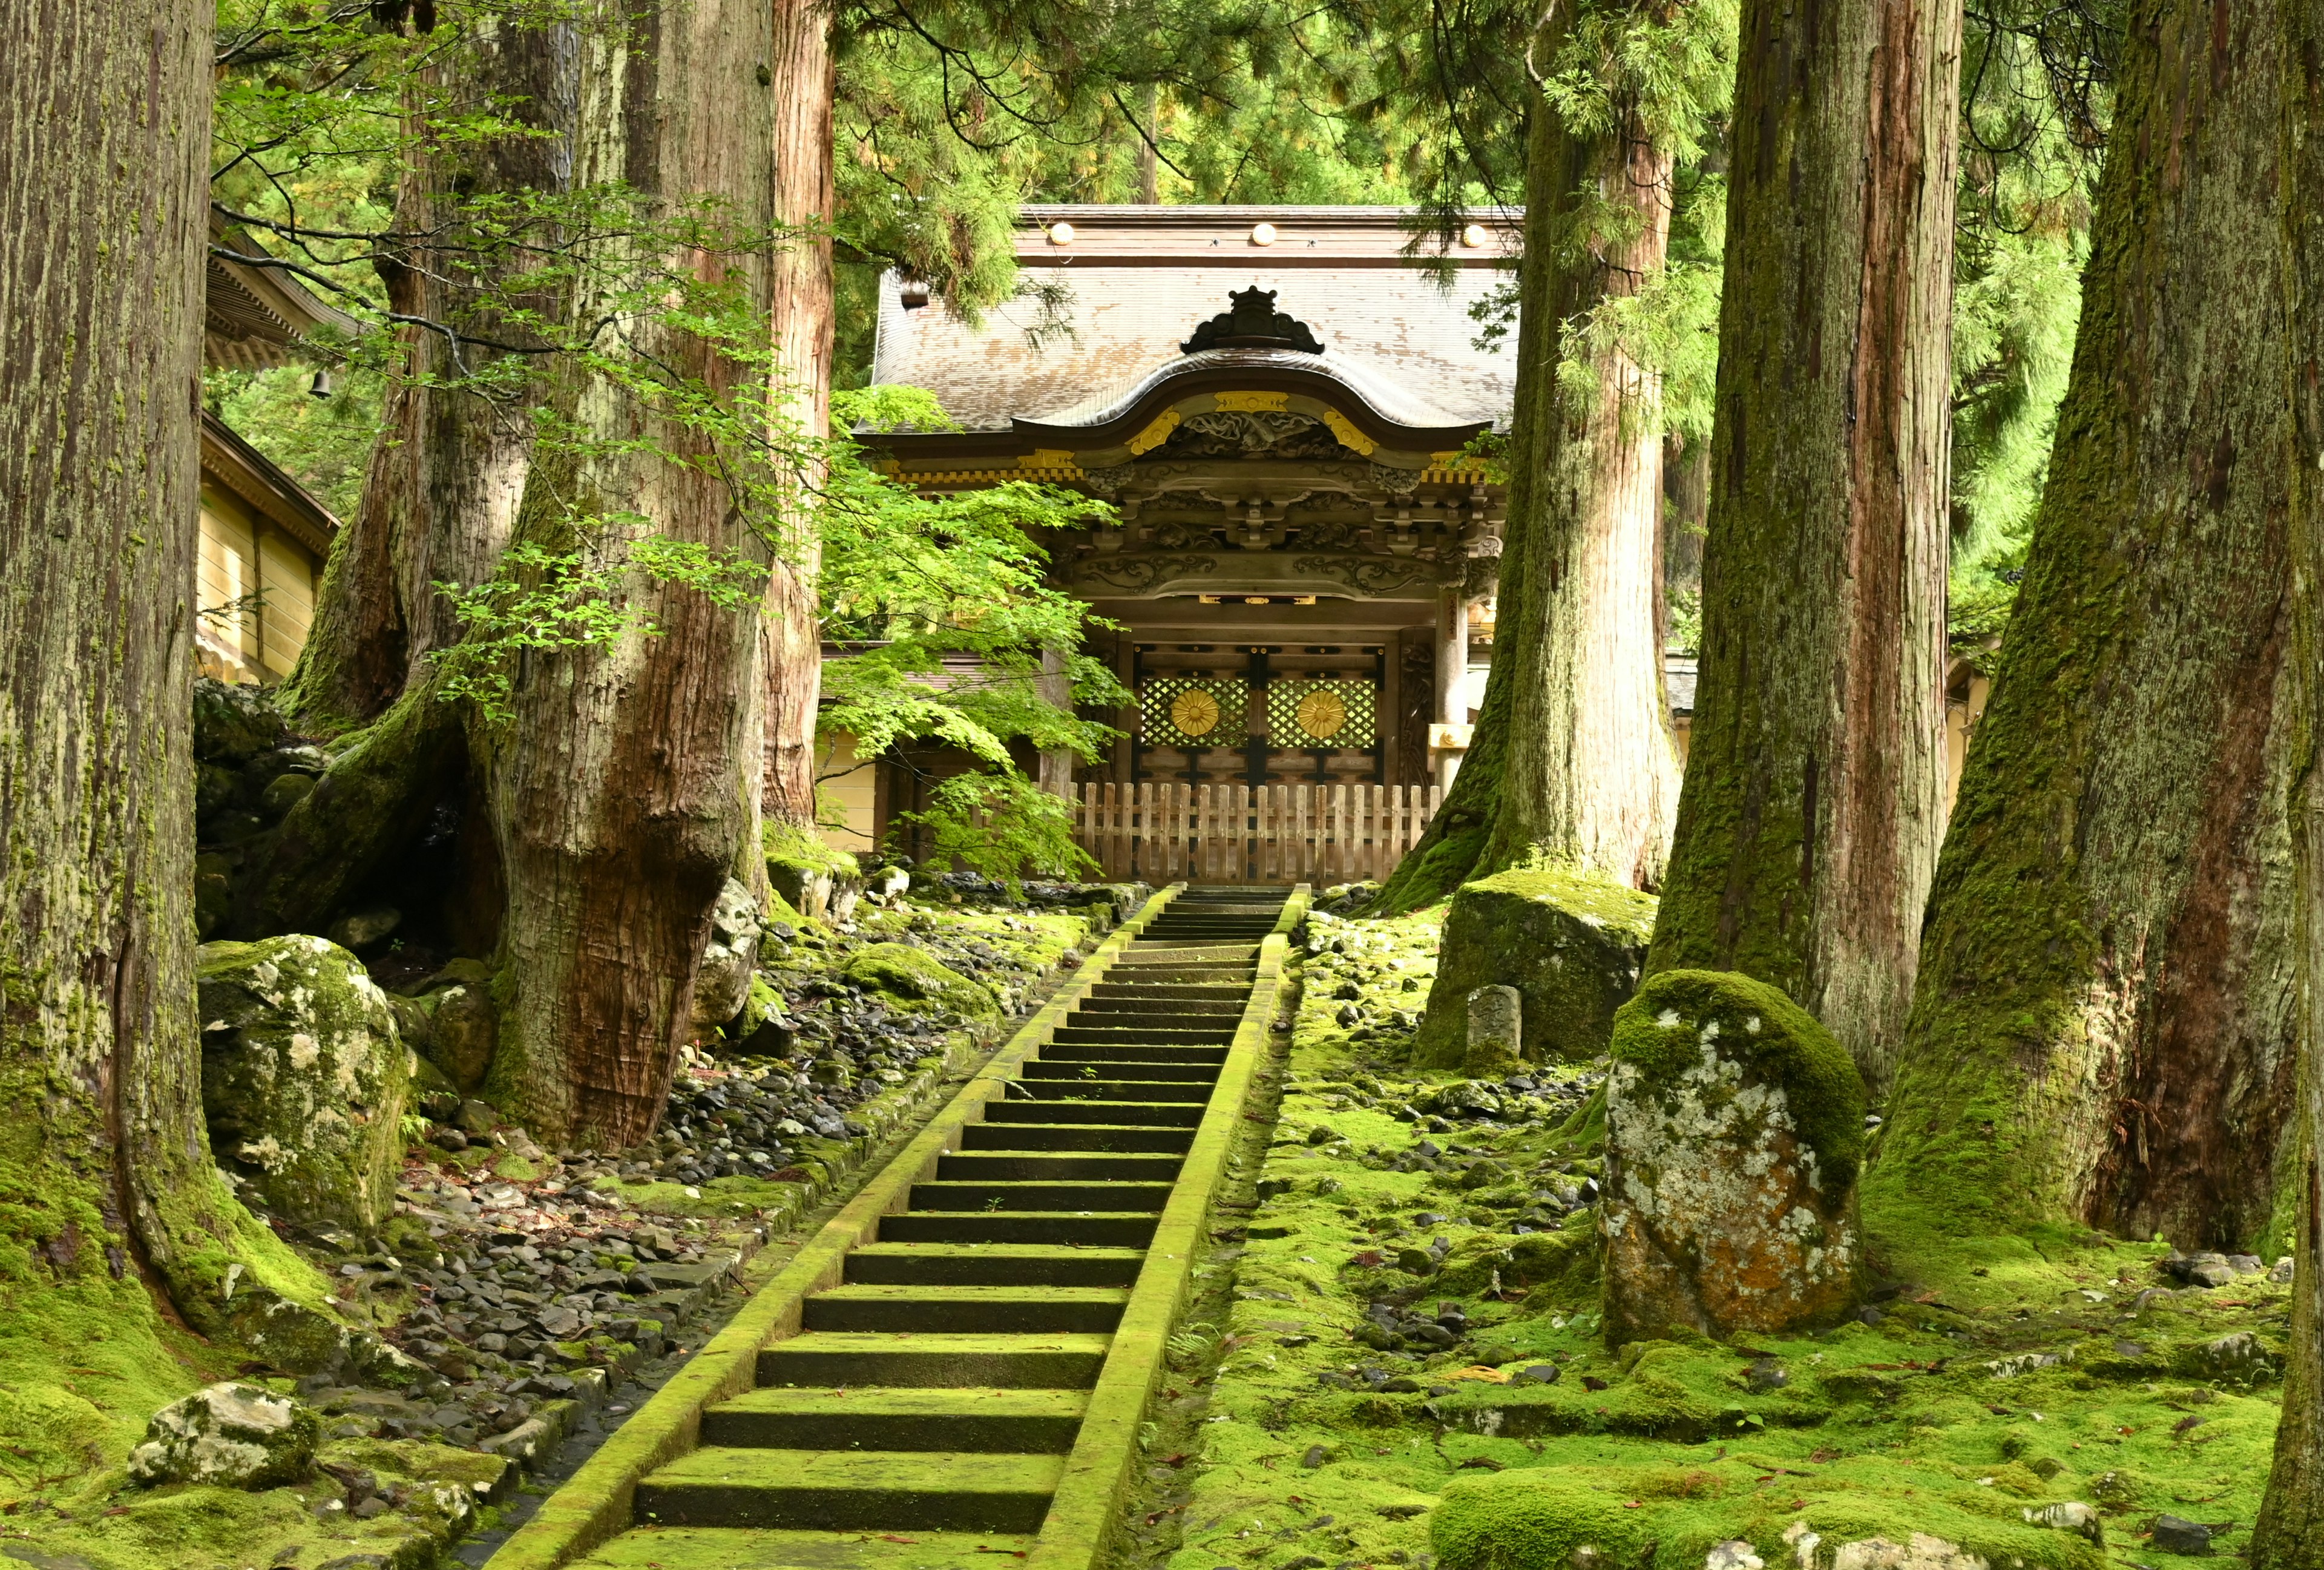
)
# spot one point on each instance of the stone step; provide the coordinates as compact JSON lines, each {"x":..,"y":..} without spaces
{"x":1092,"y":1229}
{"x":1020,"y":1165}
{"x":1098,"y":1069}
{"x":1170,"y":992}
{"x":881,"y":1490}
{"x":939,"y":1265}
{"x":776,"y":1548}
{"x":833,"y":1359}
{"x":1129,"y":1052}
{"x":1146,"y":1008}
{"x":1044,"y":1310}
{"x":1027,"y":1196}
{"x":1075,"y":1137}
{"x":1145,"y":1090}
{"x":981,"y":1420}
{"x":1030,"y":1110}
{"x":1139,"y":1036}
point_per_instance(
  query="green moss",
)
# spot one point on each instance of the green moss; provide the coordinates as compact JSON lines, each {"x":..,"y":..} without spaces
{"x":1661,"y":1033}
{"x":914,"y":980}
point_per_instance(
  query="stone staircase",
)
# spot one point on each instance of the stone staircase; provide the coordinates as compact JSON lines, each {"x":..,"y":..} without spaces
{"x":940,"y":1385}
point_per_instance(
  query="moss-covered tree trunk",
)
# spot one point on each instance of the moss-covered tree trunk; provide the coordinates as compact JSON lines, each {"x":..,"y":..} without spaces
{"x":104,"y":1172}
{"x":1572,"y":759}
{"x":621,"y":792}
{"x":2105,"y":1021}
{"x":805,"y":87}
{"x":1590,"y":778}
{"x":448,"y":471}
{"x":2290,"y":1532}
{"x":1815,"y":794}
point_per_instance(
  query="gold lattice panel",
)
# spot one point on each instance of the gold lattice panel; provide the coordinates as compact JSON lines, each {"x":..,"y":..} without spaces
{"x":1177,"y":711}
{"x":1322,"y":714}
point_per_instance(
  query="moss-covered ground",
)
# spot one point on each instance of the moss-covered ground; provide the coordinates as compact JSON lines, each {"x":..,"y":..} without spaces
{"x":1315,"y":1424}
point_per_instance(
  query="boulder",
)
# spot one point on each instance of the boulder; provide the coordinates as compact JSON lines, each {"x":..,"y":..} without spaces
{"x":915,"y":981}
{"x":463,"y":1022}
{"x":1734,"y":1133}
{"x":303,"y":1078}
{"x":228,"y":1436}
{"x":361,"y":929}
{"x":1571,"y":946}
{"x":234,"y":721}
{"x":721,"y":981}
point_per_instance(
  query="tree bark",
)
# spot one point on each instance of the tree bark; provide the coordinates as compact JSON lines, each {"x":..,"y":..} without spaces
{"x":1814,"y":794}
{"x":1592,"y":776}
{"x":1571,"y":757}
{"x":2290,"y":1532}
{"x":104,"y":153}
{"x":622,"y":791}
{"x":440,"y":495}
{"x":2105,"y":1019}
{"x":805,"y":87}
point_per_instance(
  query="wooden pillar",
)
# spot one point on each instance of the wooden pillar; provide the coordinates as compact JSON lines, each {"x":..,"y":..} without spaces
{"x":1452,"y":670}
{"x":1056,"y":763}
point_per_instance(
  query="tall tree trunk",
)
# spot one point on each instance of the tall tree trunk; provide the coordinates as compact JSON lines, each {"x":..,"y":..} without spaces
{"x":447,"y":473}
{"x":806,"y":87}
{"x":1591,"y":780}
{"x":2105,"y":1019}
{"x":621,"y":794}
{"x":103,"y":157}
{"x":2290,"y":1532}
{"x":1571,"y":757}
{"x":1814,"y":795}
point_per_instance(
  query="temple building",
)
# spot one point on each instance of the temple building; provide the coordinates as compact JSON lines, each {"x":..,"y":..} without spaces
{"x":1282,"y":403}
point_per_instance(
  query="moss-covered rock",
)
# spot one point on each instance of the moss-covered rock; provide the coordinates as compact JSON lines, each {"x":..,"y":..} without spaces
{"x":1734,"y":1130}
{"x":228,"y":1436}
{"x":303,"y":1077}
{"x":234,"y":721}
{"x":819,"y":882}
{"x":912,"y":980}
{"x":1570,"y":945}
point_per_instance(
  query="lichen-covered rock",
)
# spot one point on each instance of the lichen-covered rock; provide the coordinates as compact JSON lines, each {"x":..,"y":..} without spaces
{"x":913,"y":980}
{"x":1734,"y":1130}
{"x":1571,"y":946}
{"x":453,"y":1024}
{"x":234,"y":721}
{"x":303,"y":1077}
{"x":722,"y":982}
{"x":227,"y":1436}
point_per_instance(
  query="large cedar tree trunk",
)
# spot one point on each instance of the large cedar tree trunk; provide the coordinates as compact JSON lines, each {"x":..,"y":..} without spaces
{"x":448,"y":472}
{"x":104,"y":156}
{"x":2104,"y":1026}
{"x":2290,"y":1532}
{"x":1571,"y":759}
{"x":1815,"y":794}
{"x":622,"y":793}
{"x":805,"y":89}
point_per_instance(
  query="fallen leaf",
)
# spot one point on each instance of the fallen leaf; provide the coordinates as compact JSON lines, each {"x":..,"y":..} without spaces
{"x":1477,"y":1370}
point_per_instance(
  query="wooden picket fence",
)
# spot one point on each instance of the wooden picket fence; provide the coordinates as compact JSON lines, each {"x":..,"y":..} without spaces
{"x":1241,"y":834}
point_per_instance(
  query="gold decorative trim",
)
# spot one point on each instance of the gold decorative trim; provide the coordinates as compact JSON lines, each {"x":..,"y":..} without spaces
{"x":989,"y":477}
{"x":1048,"y":457}
{"x":1254,"y":402}
{"x":1350,"y":437}
{"x":1156,"y":434}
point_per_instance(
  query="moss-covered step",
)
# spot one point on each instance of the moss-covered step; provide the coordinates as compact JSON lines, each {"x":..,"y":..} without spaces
{"x":1088,"y":1229}
{"x":833,"y":1359}
{"x":1182,"y":973}
{"x":1093,"y":1090}
{"x":1175,"y":1033}
{"x":864,"y":1490}
{"x":1131,"y":1052}
{"x":1142,"y":1007}
{"x":1180,"y":1114}
{"x":1113,"y":1069}
{"x":993,"y":1265}
{"x":733,"y":1548}
{"x":1007,"y":1166}
{"x":984,"y":1420}
{"x":1074,"y":1137}
{"x":1162,"y":992}
{"x":1074,"y":1197}
{"x":978,"y":1310}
